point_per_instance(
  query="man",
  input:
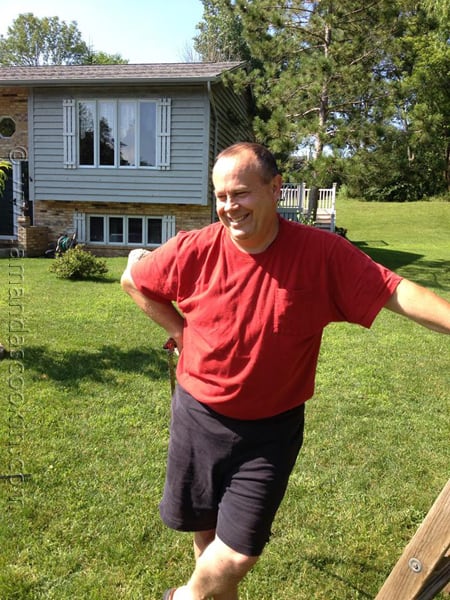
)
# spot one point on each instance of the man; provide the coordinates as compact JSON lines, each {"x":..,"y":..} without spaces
{"x":254,"y":292}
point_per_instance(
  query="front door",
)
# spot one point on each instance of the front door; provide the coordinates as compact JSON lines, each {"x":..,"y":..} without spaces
{"x":13,"y":198}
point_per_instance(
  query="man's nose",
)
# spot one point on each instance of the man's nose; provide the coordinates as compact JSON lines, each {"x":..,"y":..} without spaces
{"x":230,"y":202}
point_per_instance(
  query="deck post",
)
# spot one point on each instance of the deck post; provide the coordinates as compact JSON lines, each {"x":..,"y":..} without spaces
{"x":423,"y":569}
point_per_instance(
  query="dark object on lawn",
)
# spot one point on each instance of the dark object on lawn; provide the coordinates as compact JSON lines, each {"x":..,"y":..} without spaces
{"x":171,"y":347}
{"x":63,"y":243}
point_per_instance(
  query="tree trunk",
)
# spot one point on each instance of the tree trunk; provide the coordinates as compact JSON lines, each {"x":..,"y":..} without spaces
{"x":324,"y":97}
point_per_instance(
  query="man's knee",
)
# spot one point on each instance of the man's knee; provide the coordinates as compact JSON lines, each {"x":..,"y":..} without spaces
{"x":218,"y":571}
{"x":242,"y":564}
{"x":238,"y":564}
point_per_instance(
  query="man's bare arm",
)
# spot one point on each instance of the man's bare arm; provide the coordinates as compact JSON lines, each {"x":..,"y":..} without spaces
{"x":163,"y":313}
{"x":421,"y":305}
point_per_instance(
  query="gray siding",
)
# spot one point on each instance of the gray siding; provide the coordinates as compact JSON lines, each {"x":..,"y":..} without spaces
{"x":230,"y":123}
{"x":185,"y":183}
{"x":234,"y":120}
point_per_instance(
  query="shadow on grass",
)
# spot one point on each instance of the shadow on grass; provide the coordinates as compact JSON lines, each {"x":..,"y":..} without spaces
{"x":94,"y":279}
{"x":328,"y":565}
{"x":73,"y":366}
{"x":381,"y":253}
{"x":434,"y":273}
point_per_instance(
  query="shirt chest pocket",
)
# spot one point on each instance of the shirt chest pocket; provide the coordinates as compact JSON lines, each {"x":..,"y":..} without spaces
{"x":298,"y":313}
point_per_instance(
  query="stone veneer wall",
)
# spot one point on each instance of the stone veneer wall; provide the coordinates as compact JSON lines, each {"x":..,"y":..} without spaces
{"x":58,"y":218}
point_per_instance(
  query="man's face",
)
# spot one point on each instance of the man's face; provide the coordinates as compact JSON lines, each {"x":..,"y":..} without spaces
{"x":245,"y":203}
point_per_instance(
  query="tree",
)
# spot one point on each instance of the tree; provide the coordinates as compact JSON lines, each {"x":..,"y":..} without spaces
{"x":317,"y":68}
{"x":413,"y":154}
{"x":440,"y":9}
{"x":4,"y":167}
{"x":325,"y":68}
{"x":342,"y":82}
{"x":103,"y":58}
{"x":188,"y":54}
{"x":220,"y":35}
{"x":31,"y":41}
{"x":426,"y":88}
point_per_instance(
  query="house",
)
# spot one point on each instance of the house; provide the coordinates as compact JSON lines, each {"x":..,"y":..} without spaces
{"x":121,"y":154}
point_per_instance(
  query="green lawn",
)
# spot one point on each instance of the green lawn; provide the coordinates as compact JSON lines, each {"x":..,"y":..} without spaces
{"x":85,"y":410}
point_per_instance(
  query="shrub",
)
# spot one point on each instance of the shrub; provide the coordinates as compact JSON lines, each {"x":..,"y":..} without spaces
{"x":4,"y":167}
{"x":78,"y":263}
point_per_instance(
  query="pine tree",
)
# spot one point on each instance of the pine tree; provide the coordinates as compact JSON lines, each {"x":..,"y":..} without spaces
{"x":360,"y":88}
{"x":324,"y":73}
{"x":220,"y":33}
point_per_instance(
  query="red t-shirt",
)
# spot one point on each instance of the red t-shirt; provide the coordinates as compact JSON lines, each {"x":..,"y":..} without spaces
{"x":254,"y":321}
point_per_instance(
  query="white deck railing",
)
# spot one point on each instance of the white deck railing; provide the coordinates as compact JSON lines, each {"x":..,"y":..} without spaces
{"x":294,"y":204}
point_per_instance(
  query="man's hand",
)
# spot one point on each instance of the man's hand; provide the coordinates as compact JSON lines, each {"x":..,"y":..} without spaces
{"x":135,"y":255}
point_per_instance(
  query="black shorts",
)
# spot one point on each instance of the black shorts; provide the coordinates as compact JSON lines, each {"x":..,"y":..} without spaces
{"x":227,"y":474}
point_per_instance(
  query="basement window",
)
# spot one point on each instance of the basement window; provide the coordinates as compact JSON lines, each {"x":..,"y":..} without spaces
{"x":122,"y":230}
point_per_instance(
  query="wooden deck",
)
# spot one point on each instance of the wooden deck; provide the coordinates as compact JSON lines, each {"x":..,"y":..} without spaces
{"x":316,"y":206}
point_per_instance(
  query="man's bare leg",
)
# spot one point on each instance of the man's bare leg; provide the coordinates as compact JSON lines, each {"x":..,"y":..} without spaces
{"x":202,"y":540}
{"x":218,"y":571}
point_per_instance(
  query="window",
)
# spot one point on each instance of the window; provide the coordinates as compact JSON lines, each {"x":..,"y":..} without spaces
{"x":154,"y":231}
{"x":116,"y":230}
{"x":86,"y":113}
{"x":97,"y":229}
{"x":135,"y":230}
{"x":127,"y":230}
{"x":117,"y":133}
{"x":127,"y":134}
{"x":106,"y":133}
{"x":7,"y":127}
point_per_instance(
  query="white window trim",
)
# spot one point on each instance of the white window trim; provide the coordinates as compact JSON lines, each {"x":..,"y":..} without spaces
{"x":162,"y":141}
{"x":81,"y":226}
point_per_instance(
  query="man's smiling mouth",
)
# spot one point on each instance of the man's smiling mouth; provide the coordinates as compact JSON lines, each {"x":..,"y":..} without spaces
{"x":237,"y":220}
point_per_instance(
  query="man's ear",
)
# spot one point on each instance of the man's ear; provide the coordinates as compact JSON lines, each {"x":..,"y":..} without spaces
{"x":276,"y":187}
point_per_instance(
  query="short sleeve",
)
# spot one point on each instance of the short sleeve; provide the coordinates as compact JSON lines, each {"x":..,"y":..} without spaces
{"x":360,"y":287}
{"x":156,"y":274}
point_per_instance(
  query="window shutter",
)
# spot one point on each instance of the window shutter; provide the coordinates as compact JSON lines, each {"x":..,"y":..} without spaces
{"x":79,"y":226}
{"x":168,"y":227}
{"x":163,"y":135}
{"x":69,"y":130}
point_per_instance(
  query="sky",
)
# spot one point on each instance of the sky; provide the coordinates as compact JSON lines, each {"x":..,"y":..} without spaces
{"x":141,"y":31}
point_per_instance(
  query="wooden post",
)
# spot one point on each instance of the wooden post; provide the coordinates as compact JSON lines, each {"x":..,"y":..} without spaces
{"x":423,"y":570}
{"x":313,"y":200}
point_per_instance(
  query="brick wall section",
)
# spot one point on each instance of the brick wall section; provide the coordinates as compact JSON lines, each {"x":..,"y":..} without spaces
{"x":14,"y":104}
{"x":33,"y":240}
{"x":58,"y":218}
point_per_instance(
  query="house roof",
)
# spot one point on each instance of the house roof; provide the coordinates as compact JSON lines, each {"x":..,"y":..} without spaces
{"x":54,"y":75}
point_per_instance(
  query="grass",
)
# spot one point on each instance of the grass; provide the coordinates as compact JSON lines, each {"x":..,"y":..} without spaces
{"x":87,"y":419}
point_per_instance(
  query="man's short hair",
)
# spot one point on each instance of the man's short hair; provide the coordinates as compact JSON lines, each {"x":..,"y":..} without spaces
{"x":265,"y":159}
